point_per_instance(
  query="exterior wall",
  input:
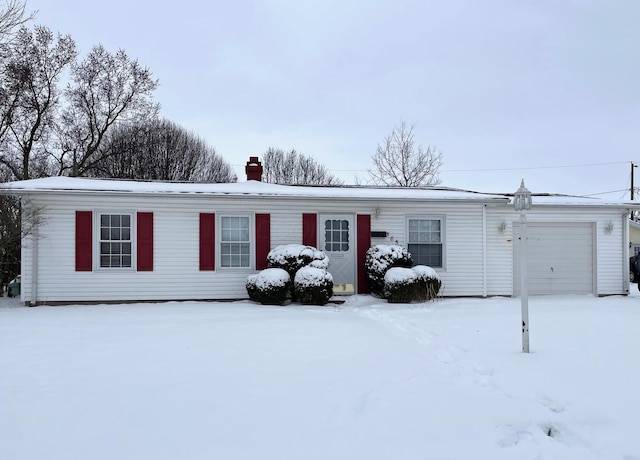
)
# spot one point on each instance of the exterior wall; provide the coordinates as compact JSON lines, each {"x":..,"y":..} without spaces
{"x":478,"y":258}
{"x":176,"y":273}
{"x":609,"y":265}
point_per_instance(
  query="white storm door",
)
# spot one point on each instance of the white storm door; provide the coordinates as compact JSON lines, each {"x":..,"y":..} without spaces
{"x":337,"y":240}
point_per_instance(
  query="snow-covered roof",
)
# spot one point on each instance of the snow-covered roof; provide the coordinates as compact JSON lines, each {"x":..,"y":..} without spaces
{"x":71,"y":185}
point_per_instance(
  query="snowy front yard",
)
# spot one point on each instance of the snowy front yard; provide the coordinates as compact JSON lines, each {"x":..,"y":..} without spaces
{"x":362,"y":380}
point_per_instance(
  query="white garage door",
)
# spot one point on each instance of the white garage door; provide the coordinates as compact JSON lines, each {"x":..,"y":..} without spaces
{"x":560,"y":259}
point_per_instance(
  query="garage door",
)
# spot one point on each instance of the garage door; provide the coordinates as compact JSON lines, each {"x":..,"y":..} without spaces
{"x":560,"y":259}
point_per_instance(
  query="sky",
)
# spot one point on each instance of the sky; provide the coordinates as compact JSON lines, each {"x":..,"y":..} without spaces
{"x":542,"y":90}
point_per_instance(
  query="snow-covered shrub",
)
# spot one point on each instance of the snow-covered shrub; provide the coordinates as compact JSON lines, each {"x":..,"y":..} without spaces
{"x":429,"y":282}
{"x":405,"y":285}
{"x":401,"y":285}
{"x":381,"y":258}
{"x":313,"y":286}
{"x":271,"y":286}
{"x":292,"y":257}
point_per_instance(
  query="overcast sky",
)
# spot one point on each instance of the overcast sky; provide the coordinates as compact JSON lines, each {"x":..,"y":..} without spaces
{"x":504,"y":89}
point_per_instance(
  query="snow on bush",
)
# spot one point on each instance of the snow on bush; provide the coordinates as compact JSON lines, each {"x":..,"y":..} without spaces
{"x":381,"y":258}
{"x":292,"y":257}
{"x":313,"y":286}
{"x":400,"y":285}
{"x":271,"y":286}
{"x":405,"y":285}
{"x":428,"y":281}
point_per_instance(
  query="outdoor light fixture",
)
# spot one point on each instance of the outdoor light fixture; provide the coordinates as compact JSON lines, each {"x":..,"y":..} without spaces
{"x":609,"y":227}
{"x":378,"y":212}
{"x":522,"y":199}
{"x":502,"y":227}
{"x":522,"y":203}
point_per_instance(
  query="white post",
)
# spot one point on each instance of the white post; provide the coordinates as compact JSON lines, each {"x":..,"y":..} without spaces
{"x":524,"y":294}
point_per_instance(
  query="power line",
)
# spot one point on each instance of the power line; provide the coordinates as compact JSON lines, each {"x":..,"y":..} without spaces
{"x":536,"y":167}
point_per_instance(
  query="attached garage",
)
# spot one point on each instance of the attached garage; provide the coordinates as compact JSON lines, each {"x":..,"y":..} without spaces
{"x":560,"y":258}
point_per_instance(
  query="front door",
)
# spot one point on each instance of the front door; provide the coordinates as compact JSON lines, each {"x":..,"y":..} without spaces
{"x":338,"y":242}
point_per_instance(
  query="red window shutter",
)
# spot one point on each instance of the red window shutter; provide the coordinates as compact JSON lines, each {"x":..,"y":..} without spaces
{"x":144,"y":241}
{"x":84,"y":241}
{"x":207,"y":241}
{"x":263,"y":240}
{"x":362,"y":245}
{"x":310,"y":230}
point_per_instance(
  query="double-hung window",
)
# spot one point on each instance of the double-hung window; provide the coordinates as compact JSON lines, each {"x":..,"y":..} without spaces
{"x":235,"y":244}
{"x":426,"y":241}
{"x":115,"y":241}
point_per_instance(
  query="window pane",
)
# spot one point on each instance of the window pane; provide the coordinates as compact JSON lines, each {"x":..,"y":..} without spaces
{"x":244,"y":235}
{"x":115,"y":220}
{"x":104,"y":261}
{"x":126,"y":261}
{"x":426,"y":254}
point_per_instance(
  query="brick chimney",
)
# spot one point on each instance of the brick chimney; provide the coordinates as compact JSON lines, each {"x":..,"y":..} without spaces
{"x":253,"y":169}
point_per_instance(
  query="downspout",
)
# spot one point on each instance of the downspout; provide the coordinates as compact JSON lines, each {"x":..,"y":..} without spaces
{"x":484,"y":251}
{"x":625,"y":251}
{"x":34,"y":269}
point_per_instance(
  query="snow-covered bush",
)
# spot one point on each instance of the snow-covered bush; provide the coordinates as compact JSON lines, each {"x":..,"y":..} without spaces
{"x":428,"y":281}
{"x":313,"y":286}
{"x":292,"y":257}
{"x":381,"y":258}
{"x":405,"y":285}
{"x":271,"y":286}
{"x":400,"y":285}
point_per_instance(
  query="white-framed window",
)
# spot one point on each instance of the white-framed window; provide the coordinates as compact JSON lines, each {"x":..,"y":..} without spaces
{"x":235,"y":241}
{"x":336,"y":235}
{"x":425,"y":240}
{"x":115,"y":245}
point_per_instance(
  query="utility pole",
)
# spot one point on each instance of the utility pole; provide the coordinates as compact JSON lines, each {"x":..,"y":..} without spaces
{"x":632,"y":184}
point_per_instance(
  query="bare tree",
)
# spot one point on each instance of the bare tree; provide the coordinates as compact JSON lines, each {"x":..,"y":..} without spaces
{"x":106,"y":89}
{"x":32,"y":71}
{"x":17,"y":220}
{"x":293,"y":168}
{"x":399,"y":162}
{"x":160,"y":150}
{"x":12,"y":16}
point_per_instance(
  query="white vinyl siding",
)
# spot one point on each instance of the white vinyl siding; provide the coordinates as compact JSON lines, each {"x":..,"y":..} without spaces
{"x":48,"y":269}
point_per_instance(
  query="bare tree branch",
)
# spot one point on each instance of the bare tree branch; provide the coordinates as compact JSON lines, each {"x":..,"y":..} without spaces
{"x":399,"y":162}
{"x":107,"y":89}
{"x":159,"y":150}
{"x":12,"y":16}
{"x":293,"y":168}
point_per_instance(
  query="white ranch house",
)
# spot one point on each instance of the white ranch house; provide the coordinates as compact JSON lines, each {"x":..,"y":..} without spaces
{"x":114,"y":241}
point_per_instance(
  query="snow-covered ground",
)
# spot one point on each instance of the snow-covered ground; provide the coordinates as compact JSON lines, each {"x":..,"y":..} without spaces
{"x":361,"y":380}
